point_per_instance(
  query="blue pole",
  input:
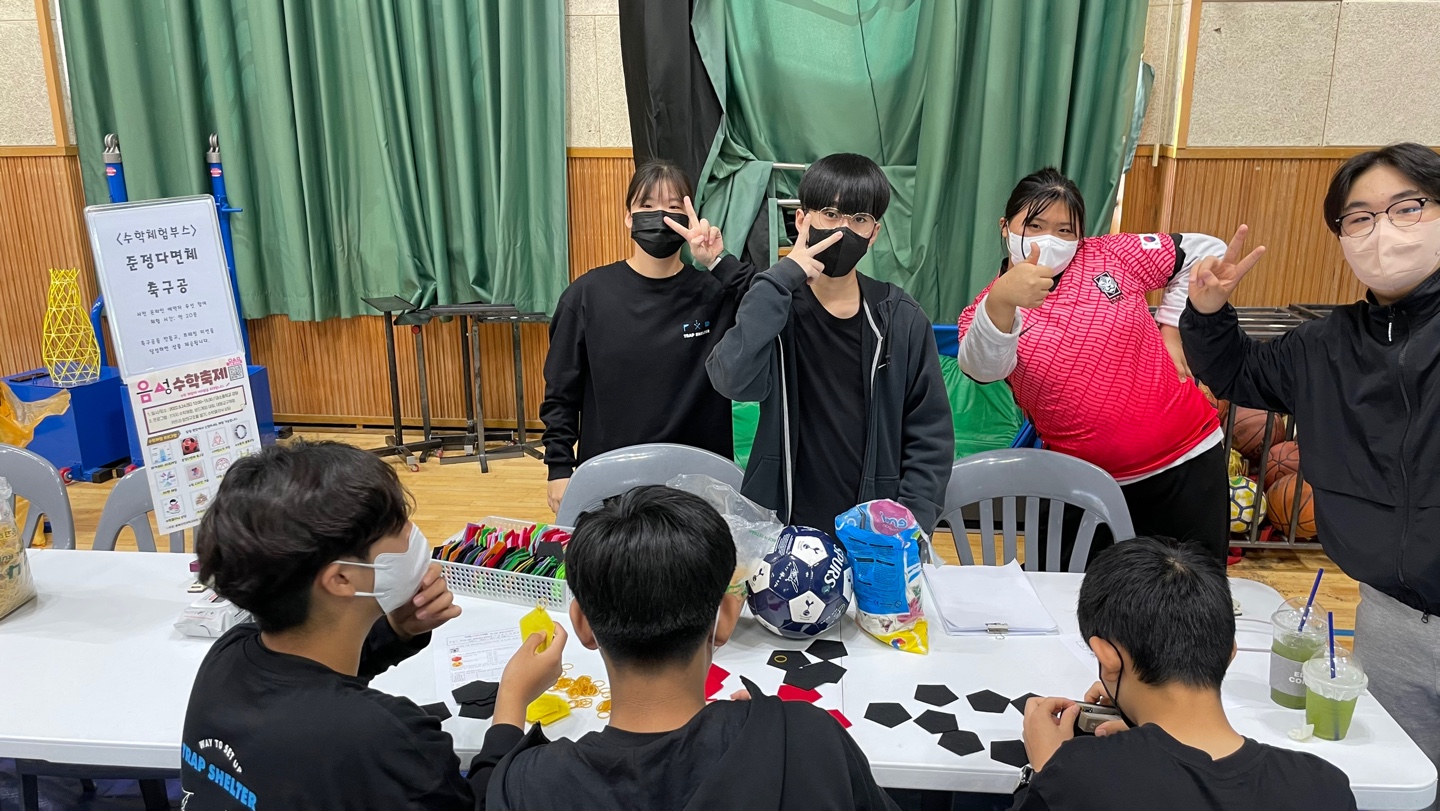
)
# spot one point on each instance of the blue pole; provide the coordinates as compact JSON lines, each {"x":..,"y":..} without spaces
{"x":222,"y":206}
{"x":115,"y":181}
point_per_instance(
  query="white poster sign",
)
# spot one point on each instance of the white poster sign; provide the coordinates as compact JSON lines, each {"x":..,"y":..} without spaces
{"x":194,"y":421}
{"x":161,"y":267}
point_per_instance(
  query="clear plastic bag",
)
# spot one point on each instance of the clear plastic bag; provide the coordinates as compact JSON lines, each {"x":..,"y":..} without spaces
{"x":754,"y":528}
{"x":16,"y":586}
{"x":19,"y":418}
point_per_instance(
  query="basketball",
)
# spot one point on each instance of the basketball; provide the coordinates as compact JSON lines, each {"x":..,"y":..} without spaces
{"x":1284,"y":460}
{"x":1280,"y":498}
{"x":1249,"y":432}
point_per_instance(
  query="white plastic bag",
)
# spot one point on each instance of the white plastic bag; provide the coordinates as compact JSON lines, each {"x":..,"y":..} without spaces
{"x":754,"y":528}
{"x":16,"y":585}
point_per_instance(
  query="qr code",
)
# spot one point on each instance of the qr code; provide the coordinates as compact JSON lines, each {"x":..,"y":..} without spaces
{"x":235,"y":372}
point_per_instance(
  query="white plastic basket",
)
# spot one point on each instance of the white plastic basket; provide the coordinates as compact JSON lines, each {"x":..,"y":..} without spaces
{"x":509,"y":587}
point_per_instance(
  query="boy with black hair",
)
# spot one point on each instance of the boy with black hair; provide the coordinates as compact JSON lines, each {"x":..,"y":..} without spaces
{"x":1159,"y":619}
{"x":852,"y":404}
{"x":649,"y":571}
{"x":315,"y":541}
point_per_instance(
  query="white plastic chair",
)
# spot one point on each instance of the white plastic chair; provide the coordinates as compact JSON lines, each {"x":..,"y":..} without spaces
{"x":34,"y":479}
{"x":1024,"y":477}
{"x":129,"y":505}
{"x":617,"y":471}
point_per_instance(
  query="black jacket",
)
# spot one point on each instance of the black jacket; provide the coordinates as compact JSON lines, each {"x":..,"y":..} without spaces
{"x":759,"y":755}
{"x":1364,"y":386}
{"x":911,"y":434}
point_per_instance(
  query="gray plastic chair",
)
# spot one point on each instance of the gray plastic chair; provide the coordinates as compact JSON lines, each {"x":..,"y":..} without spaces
{"x":34,"y":479}
{"x":613,"y":473}
{"x":1032,"y":476}
{"x":129,"y":505}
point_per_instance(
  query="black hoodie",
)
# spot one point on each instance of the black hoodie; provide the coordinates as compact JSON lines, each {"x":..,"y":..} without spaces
{"x":910,"y":431}
{"x":1364,"y":386}
{"x":759,"y":755}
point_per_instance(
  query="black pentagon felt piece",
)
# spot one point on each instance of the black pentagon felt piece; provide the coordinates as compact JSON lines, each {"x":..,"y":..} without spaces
{"x":937,"y":722}
{"x":482,"y":711}
{"x":988,"y":701}
{"x":962,"y":742}
{"x":827,"y":649}
{"x":787,"y":659}
{"x":887,"y":714}
{"x":937,"y":694}
{"x":1009,"y":752}
{"x":438,"y":709}
{"x":476,"y":691}
{"x":1019,"y":703}
{"x":811,"y":676}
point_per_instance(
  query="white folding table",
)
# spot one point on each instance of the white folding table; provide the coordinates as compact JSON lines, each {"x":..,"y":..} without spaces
{"x":102,"y":678}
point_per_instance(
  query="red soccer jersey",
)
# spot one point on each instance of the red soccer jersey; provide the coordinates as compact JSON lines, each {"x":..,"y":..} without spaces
{"x":1092,"y":371}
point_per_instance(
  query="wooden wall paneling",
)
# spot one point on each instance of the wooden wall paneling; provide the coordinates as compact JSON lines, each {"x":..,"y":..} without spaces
{"x":40,"y":228}
{"x":597,"y":211}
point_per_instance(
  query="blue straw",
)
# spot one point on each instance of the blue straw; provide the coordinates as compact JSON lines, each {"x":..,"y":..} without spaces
{"x":1331,"y":619}
{"x":1305,"y":616}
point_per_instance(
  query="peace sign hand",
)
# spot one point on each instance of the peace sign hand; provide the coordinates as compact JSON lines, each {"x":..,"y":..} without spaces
{"x":804,"y":255}
{"x":706,"y":242}
{"x":1215,"y":278}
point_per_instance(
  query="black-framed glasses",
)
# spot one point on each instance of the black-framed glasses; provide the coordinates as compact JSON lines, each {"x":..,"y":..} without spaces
{"x":1402,"y":213}
{"x":862,"y":224}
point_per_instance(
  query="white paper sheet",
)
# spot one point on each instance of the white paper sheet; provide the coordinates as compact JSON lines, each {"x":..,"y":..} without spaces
{"x":467,"y":657}
{"x":970,"y":598}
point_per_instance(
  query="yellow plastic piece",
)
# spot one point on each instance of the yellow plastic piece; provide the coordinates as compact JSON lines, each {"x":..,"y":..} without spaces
{"x":18,"y":419}
{"x":547,"y":709}
{"x":537,"y":622}
{"x":69,"y":349}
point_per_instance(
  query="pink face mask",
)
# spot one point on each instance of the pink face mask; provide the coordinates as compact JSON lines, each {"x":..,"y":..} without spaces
{"x":1391,"y":261}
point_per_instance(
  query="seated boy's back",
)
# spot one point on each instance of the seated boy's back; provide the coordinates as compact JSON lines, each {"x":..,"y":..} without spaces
{"x":763,"y":753}
{"x":1159,"y":619}
{"x":649,"y":572}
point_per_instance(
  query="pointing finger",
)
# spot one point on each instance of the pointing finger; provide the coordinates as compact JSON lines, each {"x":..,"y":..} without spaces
{"x":825,"y":243}
{"x":1244,"y":266}
{"x":678,"y":228}
{"x":690,"y":210}
{"x":1237,"y":244}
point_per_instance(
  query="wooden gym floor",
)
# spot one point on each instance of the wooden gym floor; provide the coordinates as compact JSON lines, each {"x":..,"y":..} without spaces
{"x":449,"y":496}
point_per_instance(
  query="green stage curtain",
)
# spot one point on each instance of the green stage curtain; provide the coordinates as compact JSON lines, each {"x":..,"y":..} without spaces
{"x":376,"y":146}
{"x":956,"y":99}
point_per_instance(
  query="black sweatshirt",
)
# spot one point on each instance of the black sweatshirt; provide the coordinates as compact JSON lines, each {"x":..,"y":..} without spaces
{"x":909,"y":430}
{"x":271,"y":730}
{"x":759,"y":755}
{"x":1145,"y":769}
{"x":627,"y":362}
{"x":1364,"y":386}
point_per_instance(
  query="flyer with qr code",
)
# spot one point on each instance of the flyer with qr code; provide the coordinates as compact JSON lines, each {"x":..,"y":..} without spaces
{"x":194,"y":421}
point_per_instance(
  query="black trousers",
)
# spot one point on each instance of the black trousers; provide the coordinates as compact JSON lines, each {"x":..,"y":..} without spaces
{"x":1189,"y":502}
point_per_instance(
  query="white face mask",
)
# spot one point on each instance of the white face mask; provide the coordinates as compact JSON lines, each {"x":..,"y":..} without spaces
{"x":1391,"y":260}
{"x":397,"y":574}
{"x":1055,"y":253}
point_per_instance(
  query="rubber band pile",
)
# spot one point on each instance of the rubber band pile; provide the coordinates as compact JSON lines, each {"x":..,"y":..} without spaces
{"x":536,"y":549}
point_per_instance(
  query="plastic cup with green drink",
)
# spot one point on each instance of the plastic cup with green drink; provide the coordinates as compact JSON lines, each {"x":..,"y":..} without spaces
{"x":1295,"y":637}
{"x":1330,"y":699}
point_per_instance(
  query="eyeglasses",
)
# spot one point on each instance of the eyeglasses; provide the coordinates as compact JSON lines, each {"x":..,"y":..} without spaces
{"x":1402,"y":214}
{"x":862,"y":224}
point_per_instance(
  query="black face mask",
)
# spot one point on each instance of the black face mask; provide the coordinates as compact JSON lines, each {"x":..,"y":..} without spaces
{"x":842,"y":257}
{"x":650,"y":232}
{"x":1115,"y":699}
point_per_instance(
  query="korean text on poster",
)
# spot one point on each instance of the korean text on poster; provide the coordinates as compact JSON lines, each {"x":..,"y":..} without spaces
{"x":161,"y":266}
{"x":193,"y":421}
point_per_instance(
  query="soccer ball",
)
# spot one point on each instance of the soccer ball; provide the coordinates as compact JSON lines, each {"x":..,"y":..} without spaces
{"x":804,"y":587}
{"x":1244,"y":498}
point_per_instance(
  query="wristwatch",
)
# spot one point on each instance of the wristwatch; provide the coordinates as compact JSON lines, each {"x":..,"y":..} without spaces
{"x":1027,"y":773}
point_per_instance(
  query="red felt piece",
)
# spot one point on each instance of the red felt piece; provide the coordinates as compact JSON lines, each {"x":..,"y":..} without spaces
{"x":840,"y":716}
{"x":715,"y":680}
{"x":789,"y":692}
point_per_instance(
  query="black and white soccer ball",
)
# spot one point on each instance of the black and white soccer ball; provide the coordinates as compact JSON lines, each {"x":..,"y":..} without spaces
{"x":805,"y":586}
